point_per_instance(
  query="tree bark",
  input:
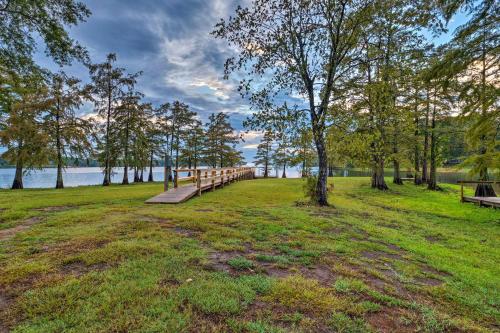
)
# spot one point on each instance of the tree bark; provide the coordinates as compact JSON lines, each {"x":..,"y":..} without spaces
{"x":426,"y":141}
{"x":59,"y":181}
{"x":18,"y":178}
{"x":432,"y":181}
{"x":125,"y":160}
{"x":150,"y":176}
{"x":321,"y":186}
{"x":136,"y":175}
{"x":378,"y":180}
{"x":484,"y":190}
{"x":397,"y":173}
{"x":141,"y":177}
{"x":107,"y":172}
{"x":417,"y":180}
{"x":396,"y":179}
{"x":283,"y":175}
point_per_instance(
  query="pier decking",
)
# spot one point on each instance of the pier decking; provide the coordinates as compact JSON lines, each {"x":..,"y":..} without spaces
{"x":493,"y":202}
{"x":202,"y":180}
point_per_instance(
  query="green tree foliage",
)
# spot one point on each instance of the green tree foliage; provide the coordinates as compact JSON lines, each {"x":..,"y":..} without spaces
{"x":21,"y":21}
{"x":108,"y":87}
{"x":304,"y":47}
{"x":128,"y":118}
{"x":265,"y":152}
{"x":470,"y":66}
{"x":194,"y":140}
{"x":21,"y":130}
{"x":220,"y":148}
{"x":68,"y":133}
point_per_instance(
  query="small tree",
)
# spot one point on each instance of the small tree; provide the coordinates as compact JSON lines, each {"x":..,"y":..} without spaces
{"x":221,"y":141}
{"x":194,"y":143}
{"x":264,"y":152}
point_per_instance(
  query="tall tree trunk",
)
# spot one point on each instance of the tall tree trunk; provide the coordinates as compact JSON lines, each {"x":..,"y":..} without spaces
{"x":417,"y":180}
{"x":484,"y":190}
{"x":141,"y":178}
{"x":150,"y":176}
{"x":397,"y":173}
{"x":283,"y":175}
{"x":425,"y":176}
{"x":125,"y":159}
{"x":136,"y":175}
{"x":177,"y":153}
{"x":330,"y":171}
{"x":432,"y":181}
{"x":59,"y":181}
{"x":304,"y":171}
{"x":107,"y":172}
{"x":396,"y":179}
{"x":378,"y":180}
{"x":18,"y":178}
{"x":321,"y":185}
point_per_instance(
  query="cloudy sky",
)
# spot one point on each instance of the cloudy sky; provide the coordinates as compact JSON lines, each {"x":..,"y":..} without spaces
{"x":169,"y":41}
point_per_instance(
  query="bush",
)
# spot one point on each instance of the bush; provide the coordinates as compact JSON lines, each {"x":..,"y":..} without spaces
{"x":310,"y":188}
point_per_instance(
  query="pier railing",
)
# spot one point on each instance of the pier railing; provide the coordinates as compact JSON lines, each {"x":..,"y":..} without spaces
{"x":211,"y":178}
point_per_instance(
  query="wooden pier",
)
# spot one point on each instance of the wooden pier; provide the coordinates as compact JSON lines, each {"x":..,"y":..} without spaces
{"x":200,"y":181}
{"x":481,"y":201}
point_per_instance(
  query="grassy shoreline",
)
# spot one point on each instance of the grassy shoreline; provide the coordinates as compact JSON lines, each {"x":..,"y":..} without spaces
{"x":248,"y":259}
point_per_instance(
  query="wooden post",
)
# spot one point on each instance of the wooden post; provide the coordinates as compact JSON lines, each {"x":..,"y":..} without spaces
{"x":214,"y":174}
{"x":195,"y":175}
{"x":176,"y":178}
{"x":222,"y":178}
{"x":206,"y":174}
{"x":166,"y":175}
{"x":198,"y":181}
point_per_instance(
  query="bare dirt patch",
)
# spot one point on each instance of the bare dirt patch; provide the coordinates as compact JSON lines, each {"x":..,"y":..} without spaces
{"x":381,"y":254}
{"x":428,"y":281}
{"x":434,"y":238}
{"x":5,"y":303}
{"x":52,"y":209}
{"x":25,"y":225}
{"x":79,"y":268}
{"x":388,"y":320}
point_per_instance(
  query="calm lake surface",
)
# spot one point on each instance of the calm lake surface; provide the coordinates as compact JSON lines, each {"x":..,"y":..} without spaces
{"x":46,"y":178}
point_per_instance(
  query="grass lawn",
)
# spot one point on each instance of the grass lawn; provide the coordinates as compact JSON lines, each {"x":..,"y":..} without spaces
{"x":249,"y":258}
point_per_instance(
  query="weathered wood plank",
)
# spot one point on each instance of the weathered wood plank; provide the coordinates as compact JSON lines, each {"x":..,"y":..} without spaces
{"x":484,"y":201}
{"x":173,"y":196}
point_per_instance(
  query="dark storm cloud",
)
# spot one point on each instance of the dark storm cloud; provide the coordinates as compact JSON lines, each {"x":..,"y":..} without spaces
{"x":170,"y":42}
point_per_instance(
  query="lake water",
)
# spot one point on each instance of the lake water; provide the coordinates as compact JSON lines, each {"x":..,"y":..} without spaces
{"x":46,"y":178}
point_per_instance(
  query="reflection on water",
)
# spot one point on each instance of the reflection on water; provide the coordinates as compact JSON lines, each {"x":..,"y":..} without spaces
{"x":46,"y":178}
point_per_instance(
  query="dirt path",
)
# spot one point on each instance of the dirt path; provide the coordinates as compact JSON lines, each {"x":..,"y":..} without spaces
{"x":11,"y":232}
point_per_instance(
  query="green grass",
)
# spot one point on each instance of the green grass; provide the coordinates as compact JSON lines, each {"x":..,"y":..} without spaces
{"x":248,"y":258}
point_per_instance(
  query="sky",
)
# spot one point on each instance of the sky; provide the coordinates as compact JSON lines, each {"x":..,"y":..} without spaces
{"x":170,"y":42}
